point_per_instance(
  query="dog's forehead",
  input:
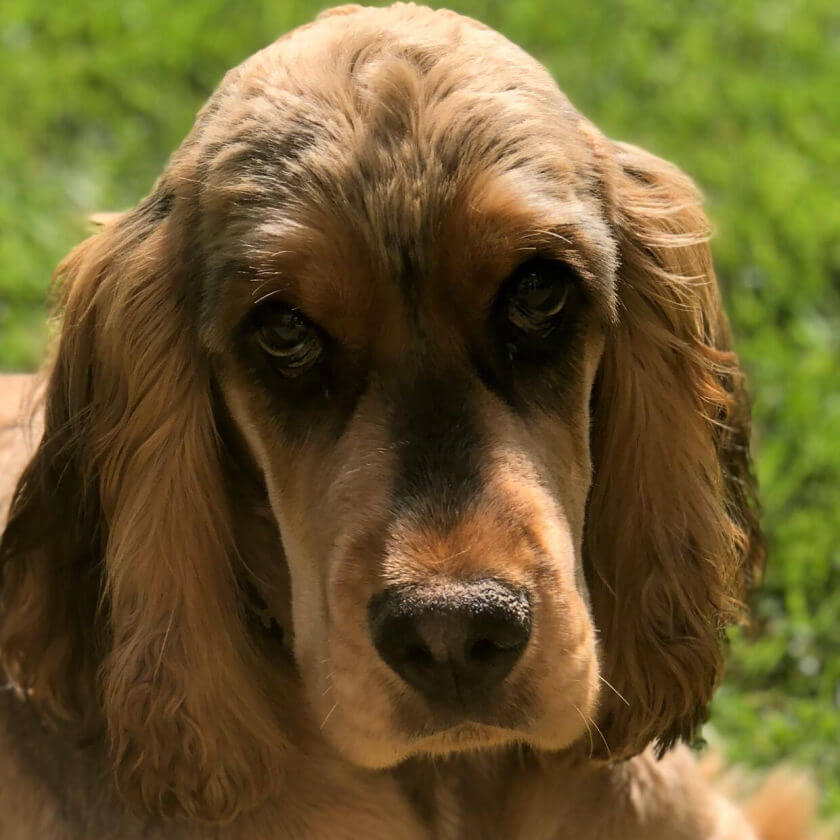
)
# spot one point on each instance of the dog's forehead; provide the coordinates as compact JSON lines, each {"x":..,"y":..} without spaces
{"x":381,"y":155}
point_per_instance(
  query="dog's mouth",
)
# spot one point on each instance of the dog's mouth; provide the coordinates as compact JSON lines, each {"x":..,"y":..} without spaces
{"x":465,"y":734}
{"x":455,"y":723}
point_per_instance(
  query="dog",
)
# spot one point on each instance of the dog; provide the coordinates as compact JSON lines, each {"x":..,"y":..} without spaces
{"x":394,"y":477}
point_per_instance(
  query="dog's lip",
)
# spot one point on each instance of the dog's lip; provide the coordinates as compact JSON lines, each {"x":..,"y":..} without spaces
{"x":454,"y":724}
{"x":468,"y":733}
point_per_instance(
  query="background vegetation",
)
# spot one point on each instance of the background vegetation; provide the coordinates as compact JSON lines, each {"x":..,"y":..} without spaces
{"x":743,"y":94}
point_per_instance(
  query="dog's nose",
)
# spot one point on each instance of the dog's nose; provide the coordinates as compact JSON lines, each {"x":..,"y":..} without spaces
{"x":454,"y":641}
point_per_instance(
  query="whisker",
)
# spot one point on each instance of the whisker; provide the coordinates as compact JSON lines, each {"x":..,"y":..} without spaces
{"x":554,"y":234}
{"x":588,"y":730}
{"x":266,"y":296}
{"x":598,"y":730}
{"x":617,"y":692}
{"x":324,"y":721}
{"x":456,"y":554}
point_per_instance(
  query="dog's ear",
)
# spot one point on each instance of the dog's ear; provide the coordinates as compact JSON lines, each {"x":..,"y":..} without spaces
{"x":672,"y":539}
{"x":119,"y":592}
{"x":51,"y":629}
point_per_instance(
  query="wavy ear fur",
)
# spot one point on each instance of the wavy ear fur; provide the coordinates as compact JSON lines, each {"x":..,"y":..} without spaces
{"x":672,"y":539}
{"x":119,"y":593}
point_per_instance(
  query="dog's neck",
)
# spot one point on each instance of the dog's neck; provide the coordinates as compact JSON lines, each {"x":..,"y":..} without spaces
{"x":510,"y":792}
{"x":456,"y":797}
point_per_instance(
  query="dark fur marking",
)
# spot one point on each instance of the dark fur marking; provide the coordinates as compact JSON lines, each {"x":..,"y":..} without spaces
{"x":439,"y":445}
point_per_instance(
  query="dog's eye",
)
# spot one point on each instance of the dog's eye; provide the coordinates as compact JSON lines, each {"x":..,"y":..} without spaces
{"x":538,"y":294}
{"x":290,"y":339}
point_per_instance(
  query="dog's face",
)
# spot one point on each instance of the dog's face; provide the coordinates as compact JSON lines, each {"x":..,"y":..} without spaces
{"x":407,"y":318}
{"x":475,"y":355}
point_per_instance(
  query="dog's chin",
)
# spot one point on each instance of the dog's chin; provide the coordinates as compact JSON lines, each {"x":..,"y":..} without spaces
{"x":461,"y":737}
{"x":467,"y":736}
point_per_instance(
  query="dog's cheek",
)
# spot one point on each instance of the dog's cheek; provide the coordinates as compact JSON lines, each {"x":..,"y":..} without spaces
{"x":562,"y":664}
{"x":544,"y":472}
{"x":292,"y":478}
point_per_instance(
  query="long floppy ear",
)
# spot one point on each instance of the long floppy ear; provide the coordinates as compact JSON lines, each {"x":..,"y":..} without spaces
{"x":119,"y":592}
{"x":672,"y":540}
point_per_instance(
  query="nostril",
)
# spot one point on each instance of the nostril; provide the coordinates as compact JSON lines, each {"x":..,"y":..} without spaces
{"x":418,"y":655}
{"x":484,"y":650}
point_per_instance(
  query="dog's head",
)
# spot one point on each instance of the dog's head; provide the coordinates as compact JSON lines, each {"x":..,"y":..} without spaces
{"x":404,"y":357}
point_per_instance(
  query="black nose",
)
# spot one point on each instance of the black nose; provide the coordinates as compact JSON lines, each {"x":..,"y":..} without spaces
{"x":453,"y":641}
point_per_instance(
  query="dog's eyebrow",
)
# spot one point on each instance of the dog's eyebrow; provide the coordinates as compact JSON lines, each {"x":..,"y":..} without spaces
{"x":571,"y":242}
{"x":529,"y":216}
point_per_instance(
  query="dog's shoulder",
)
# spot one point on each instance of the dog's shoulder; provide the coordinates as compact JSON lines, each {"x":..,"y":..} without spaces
{"x":20,"y":429}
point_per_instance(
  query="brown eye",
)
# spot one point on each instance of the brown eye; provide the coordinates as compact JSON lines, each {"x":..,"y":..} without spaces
{"x":293,"y":343}
{"x":538,"y":294}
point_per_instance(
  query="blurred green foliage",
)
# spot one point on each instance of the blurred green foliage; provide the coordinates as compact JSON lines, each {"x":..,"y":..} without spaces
{"x":743,"y":95}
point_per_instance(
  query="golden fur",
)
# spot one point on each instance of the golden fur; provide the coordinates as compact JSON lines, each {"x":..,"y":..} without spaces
{"x":189,"y":553}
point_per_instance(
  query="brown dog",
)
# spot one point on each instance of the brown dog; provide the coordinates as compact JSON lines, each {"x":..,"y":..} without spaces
{"x":394,"y":479}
